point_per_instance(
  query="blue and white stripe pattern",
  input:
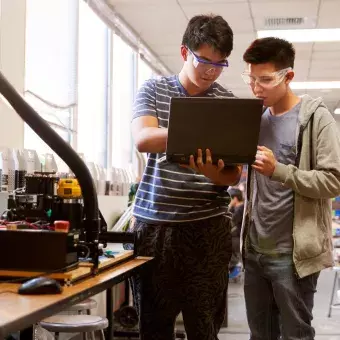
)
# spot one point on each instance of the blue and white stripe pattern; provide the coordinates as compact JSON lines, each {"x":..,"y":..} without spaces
{"x":167,"y":192}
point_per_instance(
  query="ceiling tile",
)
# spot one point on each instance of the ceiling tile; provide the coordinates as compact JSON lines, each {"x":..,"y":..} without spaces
{"x":301,"y":69}
{"x":317,"y":70}
{"x":323,"y":66}
{"x":330,"y":74}
{"x":301,"y":75}
{"x":301,"y":65}
{"x":326,"y":46}
{"x":236,"y":14}
{"x":327,"y":56}
{"x":157,"y":22}
{"x":242,"y":41}
{"x":329,"y":14}
{"x":303,"y":47}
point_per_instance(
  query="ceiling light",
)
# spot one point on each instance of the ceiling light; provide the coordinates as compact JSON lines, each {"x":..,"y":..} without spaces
{"x":337,"y":111}
{"x":315,"y":85}
{"x":303,"y":35}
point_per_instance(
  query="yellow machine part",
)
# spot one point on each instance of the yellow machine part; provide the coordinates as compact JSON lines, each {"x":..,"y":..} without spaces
{"x":69,"y":188}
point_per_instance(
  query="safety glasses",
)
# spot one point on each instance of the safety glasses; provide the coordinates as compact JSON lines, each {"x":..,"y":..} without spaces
{"x":267,"y":80}
{"x":205,"y":65}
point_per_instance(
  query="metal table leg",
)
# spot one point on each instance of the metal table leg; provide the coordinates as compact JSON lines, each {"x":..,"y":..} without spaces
{"x":109,"y":313}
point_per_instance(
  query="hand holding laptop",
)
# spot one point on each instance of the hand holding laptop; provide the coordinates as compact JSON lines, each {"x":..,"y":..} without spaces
{"x":219,"y":174}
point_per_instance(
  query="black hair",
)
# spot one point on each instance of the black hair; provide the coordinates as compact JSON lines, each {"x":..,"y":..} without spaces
{"x":212,"y":30}
{"x":277,"y":51}
{"x":234,"y":192}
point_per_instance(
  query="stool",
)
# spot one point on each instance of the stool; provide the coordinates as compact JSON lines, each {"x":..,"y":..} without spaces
{"x":85,"y":305}
{"x":85,"y":324}
{"x":335,"y":292}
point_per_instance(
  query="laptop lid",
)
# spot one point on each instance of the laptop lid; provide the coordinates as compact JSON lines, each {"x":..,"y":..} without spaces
{"x":229,"y":127}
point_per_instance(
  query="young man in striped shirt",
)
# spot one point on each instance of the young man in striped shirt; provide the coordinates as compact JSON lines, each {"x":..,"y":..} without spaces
{"x":180,"y":211}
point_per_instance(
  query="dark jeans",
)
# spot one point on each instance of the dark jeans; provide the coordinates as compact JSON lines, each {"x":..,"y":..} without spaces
{"x":189,"y":275}
{"x":277,"y":301}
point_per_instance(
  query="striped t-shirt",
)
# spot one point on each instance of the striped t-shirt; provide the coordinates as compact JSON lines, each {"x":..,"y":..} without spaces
{"x":167,"y":192}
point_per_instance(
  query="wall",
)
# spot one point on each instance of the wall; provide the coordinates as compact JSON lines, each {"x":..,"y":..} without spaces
{"x":12,"y":66}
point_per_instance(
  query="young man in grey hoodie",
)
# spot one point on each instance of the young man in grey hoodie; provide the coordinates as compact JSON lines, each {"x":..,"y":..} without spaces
{"x":287,"y":238}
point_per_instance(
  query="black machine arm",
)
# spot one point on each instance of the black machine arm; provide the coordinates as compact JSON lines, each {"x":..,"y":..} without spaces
{"x":68,"y":155}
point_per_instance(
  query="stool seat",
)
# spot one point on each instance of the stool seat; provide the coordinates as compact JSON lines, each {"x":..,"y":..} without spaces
{"x":74,"y":323}
{"x":83,"y":306}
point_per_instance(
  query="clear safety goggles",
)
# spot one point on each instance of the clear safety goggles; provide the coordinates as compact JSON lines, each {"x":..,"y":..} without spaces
{"x":268,"y":80}
{"x":207,"y":66}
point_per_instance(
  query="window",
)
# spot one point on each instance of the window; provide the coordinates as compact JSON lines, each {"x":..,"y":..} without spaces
{"x":123,"y":92}
{"x":82,"y":78}
{"x":144,"y":71}
{"x":58,"y":119}
{"x":93,"y":73}
{"x":51,"y":59}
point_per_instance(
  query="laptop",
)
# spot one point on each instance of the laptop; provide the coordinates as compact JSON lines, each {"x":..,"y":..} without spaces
{"x":229,"y":127}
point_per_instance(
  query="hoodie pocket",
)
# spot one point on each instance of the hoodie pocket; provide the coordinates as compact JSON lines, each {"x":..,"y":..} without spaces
{"x":309,"y":231}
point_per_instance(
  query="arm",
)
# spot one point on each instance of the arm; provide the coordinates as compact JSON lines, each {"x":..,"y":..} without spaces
{"x":321,"y":182}
{"x":148,"y":136}
{"x":324,"y":180}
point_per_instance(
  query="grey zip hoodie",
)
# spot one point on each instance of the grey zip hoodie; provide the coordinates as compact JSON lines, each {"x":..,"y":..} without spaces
{"x":315,"y":180}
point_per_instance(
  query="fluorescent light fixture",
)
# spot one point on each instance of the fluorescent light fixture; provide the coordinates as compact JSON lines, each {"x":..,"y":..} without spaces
{"x":303,"y":35}
{"x":337,"y":111}
{"x":314,"y":85}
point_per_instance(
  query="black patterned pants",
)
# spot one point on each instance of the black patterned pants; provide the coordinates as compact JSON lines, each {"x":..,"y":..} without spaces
{"x":189,"y":275}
